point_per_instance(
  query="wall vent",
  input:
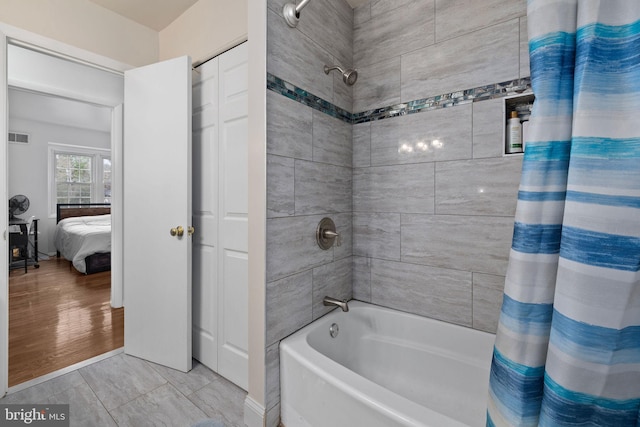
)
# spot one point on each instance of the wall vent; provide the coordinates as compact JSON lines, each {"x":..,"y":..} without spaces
{"x":19,"y":138}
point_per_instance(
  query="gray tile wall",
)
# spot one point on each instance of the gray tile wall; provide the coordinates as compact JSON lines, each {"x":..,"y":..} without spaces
{"x":298,"y":55}
{"x":433,"y":197}
{"x":309,"y":175}
{"x":425,"y":201}
{"x":412,"y":49}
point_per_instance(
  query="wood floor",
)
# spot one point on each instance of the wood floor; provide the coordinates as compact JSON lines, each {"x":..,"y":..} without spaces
{"x":59,"y":317}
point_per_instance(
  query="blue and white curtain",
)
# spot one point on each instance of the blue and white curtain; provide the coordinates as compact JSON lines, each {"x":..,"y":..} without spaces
{"x":567,"y":350}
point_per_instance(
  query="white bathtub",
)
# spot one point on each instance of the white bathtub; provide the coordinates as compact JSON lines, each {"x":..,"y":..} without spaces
{"x":385,"y":368}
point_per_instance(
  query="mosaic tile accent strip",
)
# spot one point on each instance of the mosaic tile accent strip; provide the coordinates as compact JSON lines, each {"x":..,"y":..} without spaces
{"x":291,"y":91}
{"x":482,"y":93}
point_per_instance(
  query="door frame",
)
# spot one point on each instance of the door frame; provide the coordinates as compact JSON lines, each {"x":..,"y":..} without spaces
{"x":10,"y":33}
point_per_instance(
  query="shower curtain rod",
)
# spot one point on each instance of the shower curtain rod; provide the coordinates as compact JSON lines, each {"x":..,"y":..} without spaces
{"x":19,"y":43}
{"x":228,"y":46}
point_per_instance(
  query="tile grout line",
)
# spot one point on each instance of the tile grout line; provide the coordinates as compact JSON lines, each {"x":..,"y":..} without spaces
{"x":96,"y":394}
{"x":151,"y":365}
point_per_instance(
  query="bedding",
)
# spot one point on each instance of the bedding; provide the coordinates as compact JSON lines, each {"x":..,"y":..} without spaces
{"x":79,"y":237}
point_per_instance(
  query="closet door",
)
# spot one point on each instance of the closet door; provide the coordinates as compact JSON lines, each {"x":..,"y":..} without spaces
{"x":220,"y":174}
{"x":205,"y":214}
{"x":233,"y":276}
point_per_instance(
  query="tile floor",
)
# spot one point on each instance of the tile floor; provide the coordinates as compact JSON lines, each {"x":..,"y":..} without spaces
{"x":126,"y":391}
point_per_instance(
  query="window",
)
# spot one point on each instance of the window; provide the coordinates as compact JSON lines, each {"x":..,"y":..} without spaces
{"x":106,"y":179}
{"x":73,"y":178}
{"x":78,"y":175}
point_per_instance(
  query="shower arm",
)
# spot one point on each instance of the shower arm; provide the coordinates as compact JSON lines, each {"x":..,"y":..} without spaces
{"x":328,"y":69}
{"x":349,"y":76}
{"x":291,"y":12}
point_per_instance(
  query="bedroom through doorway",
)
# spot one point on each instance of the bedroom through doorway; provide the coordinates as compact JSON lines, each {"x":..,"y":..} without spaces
{"x":59,"y":316}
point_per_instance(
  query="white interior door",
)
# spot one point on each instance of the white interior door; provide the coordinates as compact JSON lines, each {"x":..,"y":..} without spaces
{"x":205,"y":214}
{"x":233,"y":256}
{"x":157,"y":198}
{"x":220,"y":103}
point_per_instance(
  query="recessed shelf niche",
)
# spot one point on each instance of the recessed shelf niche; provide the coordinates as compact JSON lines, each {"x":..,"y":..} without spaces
{"x":522,"y":104}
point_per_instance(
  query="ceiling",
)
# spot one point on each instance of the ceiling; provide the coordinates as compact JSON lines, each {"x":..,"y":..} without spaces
{"x":164,"y":12}
{"x":155,"y":14}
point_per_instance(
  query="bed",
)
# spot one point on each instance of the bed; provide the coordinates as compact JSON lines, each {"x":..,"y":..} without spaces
{"x":83,"y":236}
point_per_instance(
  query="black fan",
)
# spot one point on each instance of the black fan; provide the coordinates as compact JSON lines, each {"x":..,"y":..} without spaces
{"x":18,"y":204}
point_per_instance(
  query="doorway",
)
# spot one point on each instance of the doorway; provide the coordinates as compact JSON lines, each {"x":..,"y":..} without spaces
{"x":58,"y":316}
{"x":108,"y":100}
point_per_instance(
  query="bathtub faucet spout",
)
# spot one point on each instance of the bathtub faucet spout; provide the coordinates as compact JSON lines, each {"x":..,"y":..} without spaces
{"x":328,"y":301}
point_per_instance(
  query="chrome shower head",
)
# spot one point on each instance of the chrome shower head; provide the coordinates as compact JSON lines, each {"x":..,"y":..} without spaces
{"x":349,"y":76}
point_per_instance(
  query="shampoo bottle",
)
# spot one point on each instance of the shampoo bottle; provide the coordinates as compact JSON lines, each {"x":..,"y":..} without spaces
{"x":514,"y":134}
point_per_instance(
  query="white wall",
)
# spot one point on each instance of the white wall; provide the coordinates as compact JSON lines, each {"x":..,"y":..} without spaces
{"x":46,"y":74}
{"x":255,"y":403}
{"x":28,"y":167}
{"x":206,"y":29}
{"x":85,"y":25}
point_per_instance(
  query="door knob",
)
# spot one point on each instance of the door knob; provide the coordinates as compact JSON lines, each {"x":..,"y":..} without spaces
{"x":177,"y":231}
{"x":190,"y":230}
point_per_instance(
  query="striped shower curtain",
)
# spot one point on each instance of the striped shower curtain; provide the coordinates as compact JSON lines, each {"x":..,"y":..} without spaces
{"x":567,"y":350}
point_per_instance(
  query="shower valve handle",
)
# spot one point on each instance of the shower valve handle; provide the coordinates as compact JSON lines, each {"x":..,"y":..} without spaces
{"x":331,"y":234}
{"x":326,"y":234}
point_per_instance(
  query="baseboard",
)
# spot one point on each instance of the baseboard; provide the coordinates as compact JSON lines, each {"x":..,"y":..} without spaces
{"x":254,"y":413}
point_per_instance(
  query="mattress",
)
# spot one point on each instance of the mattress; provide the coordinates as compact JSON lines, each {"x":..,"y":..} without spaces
{"x":78,"y":237}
